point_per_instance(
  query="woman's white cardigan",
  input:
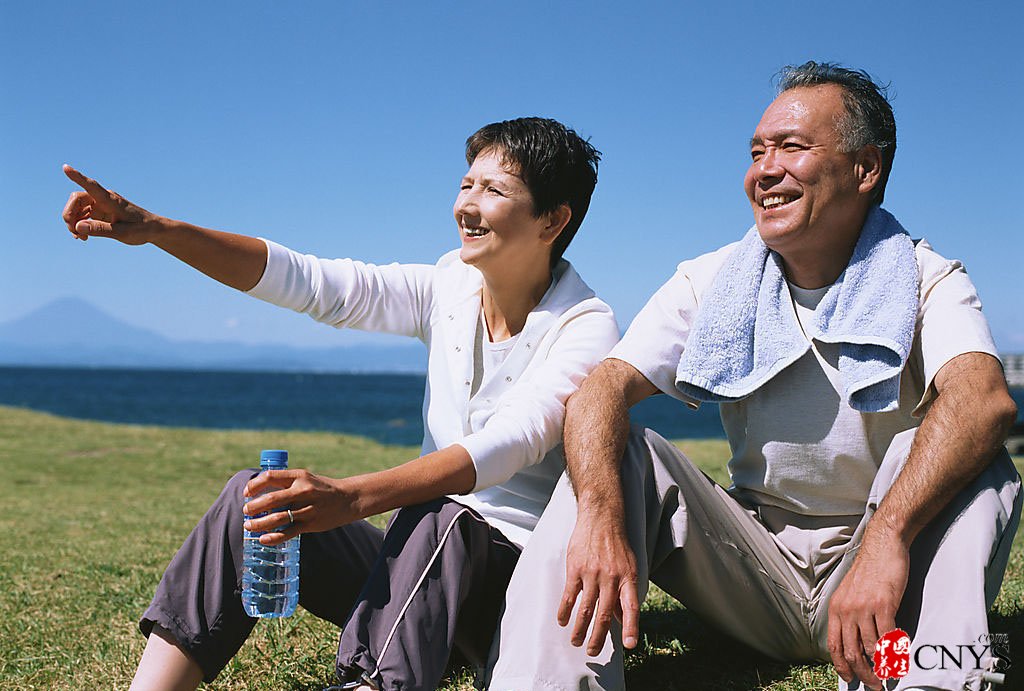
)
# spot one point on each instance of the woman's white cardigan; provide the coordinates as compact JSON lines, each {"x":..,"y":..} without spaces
{"x":514,"y":435}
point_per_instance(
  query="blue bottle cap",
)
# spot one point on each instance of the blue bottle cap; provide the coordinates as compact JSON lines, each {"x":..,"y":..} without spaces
{"x":274,"y":455}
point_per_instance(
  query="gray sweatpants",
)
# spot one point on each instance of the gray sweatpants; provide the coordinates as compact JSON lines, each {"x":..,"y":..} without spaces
{"x":438,"y":583}
{"x":720,"y":559}
{"x":446,"y":564}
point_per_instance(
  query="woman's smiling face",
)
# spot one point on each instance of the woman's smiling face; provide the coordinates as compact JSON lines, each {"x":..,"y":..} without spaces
{"x":495,"y":215}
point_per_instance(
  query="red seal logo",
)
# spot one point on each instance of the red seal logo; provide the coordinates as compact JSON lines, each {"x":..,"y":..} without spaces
{"x":892,"y":655}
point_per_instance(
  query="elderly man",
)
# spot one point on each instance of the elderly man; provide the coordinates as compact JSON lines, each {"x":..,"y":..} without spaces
{"x":865,"y":409}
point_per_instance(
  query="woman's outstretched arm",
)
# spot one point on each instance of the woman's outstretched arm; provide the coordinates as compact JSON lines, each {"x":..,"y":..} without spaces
{"x":234,"y":260}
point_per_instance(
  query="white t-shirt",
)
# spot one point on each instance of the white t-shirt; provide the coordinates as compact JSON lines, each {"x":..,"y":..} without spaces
{"x":488,"y":357}
{"x":796,"y":443}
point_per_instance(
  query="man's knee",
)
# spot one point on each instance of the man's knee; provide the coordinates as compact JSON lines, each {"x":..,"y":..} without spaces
{"x":1001,"y":475}
{"x":994,"y":494}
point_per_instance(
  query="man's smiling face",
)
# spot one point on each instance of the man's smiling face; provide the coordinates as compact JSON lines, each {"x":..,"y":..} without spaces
{"x":804,"y":189}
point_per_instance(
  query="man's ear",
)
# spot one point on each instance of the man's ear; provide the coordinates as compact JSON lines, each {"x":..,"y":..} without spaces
{"x":868,"y":168}
{"x":556,"y":222}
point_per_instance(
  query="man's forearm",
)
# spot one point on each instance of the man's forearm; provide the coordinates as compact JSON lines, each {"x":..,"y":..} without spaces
{"x":596,"y":429}
{"x":961,"y":433}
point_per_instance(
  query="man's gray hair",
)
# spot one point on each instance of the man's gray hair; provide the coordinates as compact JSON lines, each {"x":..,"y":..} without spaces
{"x":868,"y":121}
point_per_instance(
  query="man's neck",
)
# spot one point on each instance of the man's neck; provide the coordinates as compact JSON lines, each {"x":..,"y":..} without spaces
{"x":822,"y":264}
{"x":816,"y":273}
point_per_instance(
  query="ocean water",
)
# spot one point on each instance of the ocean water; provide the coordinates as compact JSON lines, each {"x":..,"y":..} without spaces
{"x":385,"y":407}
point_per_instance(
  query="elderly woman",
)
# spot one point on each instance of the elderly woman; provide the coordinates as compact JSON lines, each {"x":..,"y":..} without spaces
{"x":511,"y":331}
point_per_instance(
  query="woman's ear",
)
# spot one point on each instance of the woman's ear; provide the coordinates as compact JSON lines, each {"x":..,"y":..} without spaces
{"x":556,"y":222}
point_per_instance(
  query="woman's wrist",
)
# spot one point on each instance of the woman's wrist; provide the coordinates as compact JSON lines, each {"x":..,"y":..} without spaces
{"x":360,"y":495}
{"x":158,"y":229}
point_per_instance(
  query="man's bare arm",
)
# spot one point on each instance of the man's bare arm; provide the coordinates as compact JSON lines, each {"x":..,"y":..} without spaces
{"x":961,"y":433}
{"x":600,"y":565}
{"x":964,"y":429}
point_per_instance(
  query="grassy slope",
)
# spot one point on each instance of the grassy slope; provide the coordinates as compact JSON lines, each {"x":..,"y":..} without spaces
{"x":92,"y":513}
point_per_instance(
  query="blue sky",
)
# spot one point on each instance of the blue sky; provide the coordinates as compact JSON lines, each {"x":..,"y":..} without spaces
{"x":338,"y":127}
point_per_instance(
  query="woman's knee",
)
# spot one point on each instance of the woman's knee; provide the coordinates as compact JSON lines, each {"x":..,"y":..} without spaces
{"x":434,"y":511}
{"x":235,"y":486}
{"x":431,"y":521}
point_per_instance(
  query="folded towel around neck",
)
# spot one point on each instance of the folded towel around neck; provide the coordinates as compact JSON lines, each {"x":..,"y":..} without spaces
{"x":746,"y":330}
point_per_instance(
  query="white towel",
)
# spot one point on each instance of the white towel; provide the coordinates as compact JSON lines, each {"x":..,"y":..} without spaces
{"x":745,"y":332}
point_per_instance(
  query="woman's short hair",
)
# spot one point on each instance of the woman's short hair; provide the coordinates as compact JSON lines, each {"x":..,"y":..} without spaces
{"x":555,"y":163}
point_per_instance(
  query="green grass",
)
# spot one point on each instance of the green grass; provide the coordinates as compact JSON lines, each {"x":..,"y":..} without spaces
{"x":91,"y":513}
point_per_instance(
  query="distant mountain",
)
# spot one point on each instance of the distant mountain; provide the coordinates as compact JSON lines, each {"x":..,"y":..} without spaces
{"x":72,"y":332}
{"x":70,"y":321}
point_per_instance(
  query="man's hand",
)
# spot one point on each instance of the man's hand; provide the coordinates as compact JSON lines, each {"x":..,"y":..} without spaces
{"x":100,"y":212}
{"x":317,"y":503}
{"x":600,"y":568}
{"x":864,"y":606}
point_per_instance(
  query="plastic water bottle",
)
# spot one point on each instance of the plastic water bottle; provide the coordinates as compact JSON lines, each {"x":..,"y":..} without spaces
{"x":270,"y":575}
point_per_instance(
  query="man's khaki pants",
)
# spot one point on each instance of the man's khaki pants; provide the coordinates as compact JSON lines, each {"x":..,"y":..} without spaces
{"x":716,"y":557}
